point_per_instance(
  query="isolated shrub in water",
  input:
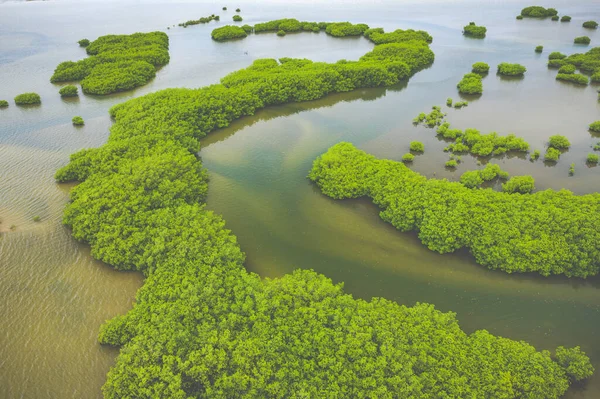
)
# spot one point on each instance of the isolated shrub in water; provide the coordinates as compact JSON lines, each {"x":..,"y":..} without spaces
{"x":281,"y":33}
{"x":555,"y":18}
{"x":237,"y":18}
{"x":449,"y":102}
{"x":237,"y":10}
{"x":519,"y":17}
{"x":519,"y":184}
{"x":539,"y":49}
{"x":538,"y":12}
{"x":408,"y":157}
{"x":565,"y":18}
{"x":470,"y":84}
{"x":28,"y":99}
{"x":535,"y":155}
{"x":582,"y":40}
{"x":228,"y":32}
{"x":68,"y":91}
{"x":473,"y":30}
{"x":595,"y":126}
{"x":84,"y":42}
{"x":417,"y":146}
{"x":3,"y":103}
{"x":559,"y":142}
{"x":507,"y":69}
{"x":452,"y":163}
{"x":576,"y":78}
{"x":592,"y":158}
{"x":590,"y":24}
{"x":77,"y":120}
{"x":480,"y":67}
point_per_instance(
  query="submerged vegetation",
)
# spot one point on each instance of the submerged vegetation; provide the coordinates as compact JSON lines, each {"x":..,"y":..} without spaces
{"x":117,"y":63}
{"x":202,"y":20}
{"x":473,"y":30}
{"x":471,"y":83}
{"x":548,"y":232}
{"x":28,"y":99}
{"x":507,"y":69}
{"x":538,"y":12}
{"x":228,"y":32}
{"x":68,"y":91}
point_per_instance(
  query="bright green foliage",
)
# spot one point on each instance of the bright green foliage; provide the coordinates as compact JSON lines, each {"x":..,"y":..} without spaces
{"x":576,"y":78}
{"x":549,"y":232}
{"x":539,"y":49}
{"x":237,"y":18}
{"x":471,"y":140}
{"x":460,"y":104}
{"x":408,"y":157}
{"x":202,"y":20}
{"x":281,"y":33}
{"x":474,"y":178}
{"x":592,"y":158}
{"x":84,"y":42}
{"x":471,"y":83}
{"x":480,"y":67}
{"x":417,"y":146}
{"x":203,"y":326}
{"x":538,"y":12}
{"x":68,"y":91}
{"x":556,"y":63}
{"x":377,"y":36}
{"x":343,"y":29}
{"x":228,"y":32}
{"x":114,"y":61}
{"x":568,"y":68}
{"x":588,"y":62}
{"x":572,"y":169}
{"x":590,"y":24}
{"x":449,"y":102}
{"x":559,"y":142}
{"x":3,"y":103}
{"x":471,"y":179}
{"x":565,"y":18}
{"x":552,"y":154}
{"x":286,"y":25}
{"x":594,"y":126}
{"x":117,"y":76}
{"x":451,"y":163}
{"x":535,"y":155}
{"x":247,"y":28}
{"x":28,"y":99}
{"x":582,"y":40}
{"x":575,"y":362}
{"x":473,"y":30}
{"x":519,"y":184}
{"x":507,"y":69}
{"x":556,"y":55}
{"x":77,"y":120}
{"x":434,"y":118}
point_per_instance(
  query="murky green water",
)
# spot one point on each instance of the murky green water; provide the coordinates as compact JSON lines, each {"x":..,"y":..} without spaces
{"x":54,"y":296}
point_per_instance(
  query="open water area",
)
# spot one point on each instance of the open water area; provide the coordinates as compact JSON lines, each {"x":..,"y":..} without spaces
{"x":54,"y":296}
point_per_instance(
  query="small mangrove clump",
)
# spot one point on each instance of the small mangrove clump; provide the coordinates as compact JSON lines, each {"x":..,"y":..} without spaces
{"x":77,"y":121}
{"x":565,"y":18}
{"x":237,"y":18}
{"x":572,"y":169}
{"x":203,"y":20}
{"x":451,"y":163}
{"x":68,"y":91}
{"x":556,"y":55}
{"x":247,"y":28}
{"x":470,"y":84}
{"x":567,"y":69}
{"x":480,"y":67}
{"x":538,"y":12}
{"x":238,"y":10}
{"x":507,"y":69}
{"x":434,"y":118}
{"x":224,"y":8}
{"x":590,"y":24}
{"x":449,"y":102}
{"x":417,"y":146}
{"x":84,"y":42}
{"x":460,"y":104}
{"x":473,"y":30}
{"x":281,"y":33}
{"x":535,"y":155}
{"x":593,"y":159}
{"x":408,"y":157}
{"x":582,"y":40}
{"x":343,"y":29}
{"x":475,"y":178}
{"x":3,"y":103}
{"x":28,"y":99}
{"x":576,"y":78}
{"x":559,"y":142}
{"x":228,"y":32}
{"x":519,"y":184}
{"x":555,"y":18}
{"x":519,"y":17}
{"x":551,"y":155}
{"x":594,"y":127}
{"x":539,"y":49}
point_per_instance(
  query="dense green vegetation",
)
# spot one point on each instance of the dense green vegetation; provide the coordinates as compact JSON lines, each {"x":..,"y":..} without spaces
{"x":539,"y":49}
{"x":565,"y":18}
{"x":248,"y":28}
{"x":556,"y":55}
{"x":480,"y":67}
{"x":552,"y":154}
{"x":378,"y":36}
{"x":449,"y":102}
{"x":555,"y":18}
{"x":28,"y":99}
{"x":84,"y":42}
{"x":592,"y":159}
{"x":202,"y":326}
{"x":519,"y":184}
{"x":228,"y":32}
{"x":590,"y":24}
{"x":471,"y":83}
{"x":417,"y":146}
{"x":548,"y":232}
{"x":582,"y":40}
{"x":535,"y":155}
{"x":588,"y":63}
{"x":117,"y":62}
{"x":576,"y":78}
{"x":3,"y":103}
{"x":572,"y":169}
{"x":343,"y":29}
{"x":281,"y":33}
{"x":68,"y":91}
{"x":202,"y":20}
{"x":594,"y":126}
{"x":77,"y":120}
{"x":507,"y":69}
{"x":408,"y":157}
{"x":475,"y":178}
{"x":237,"y":18}
{"x":460,"y":104}
{"x":473,"y":30}
{"x":559,"y":142}
{"x":538,"y":12}
{"x":286,"y":25}
{"x":568,"y":68}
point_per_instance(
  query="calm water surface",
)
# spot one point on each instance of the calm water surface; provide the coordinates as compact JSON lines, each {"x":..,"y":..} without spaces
{"x":54,"y":296}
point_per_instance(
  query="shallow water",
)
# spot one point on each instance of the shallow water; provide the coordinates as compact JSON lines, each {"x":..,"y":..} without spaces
{"x":54,"y":296}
